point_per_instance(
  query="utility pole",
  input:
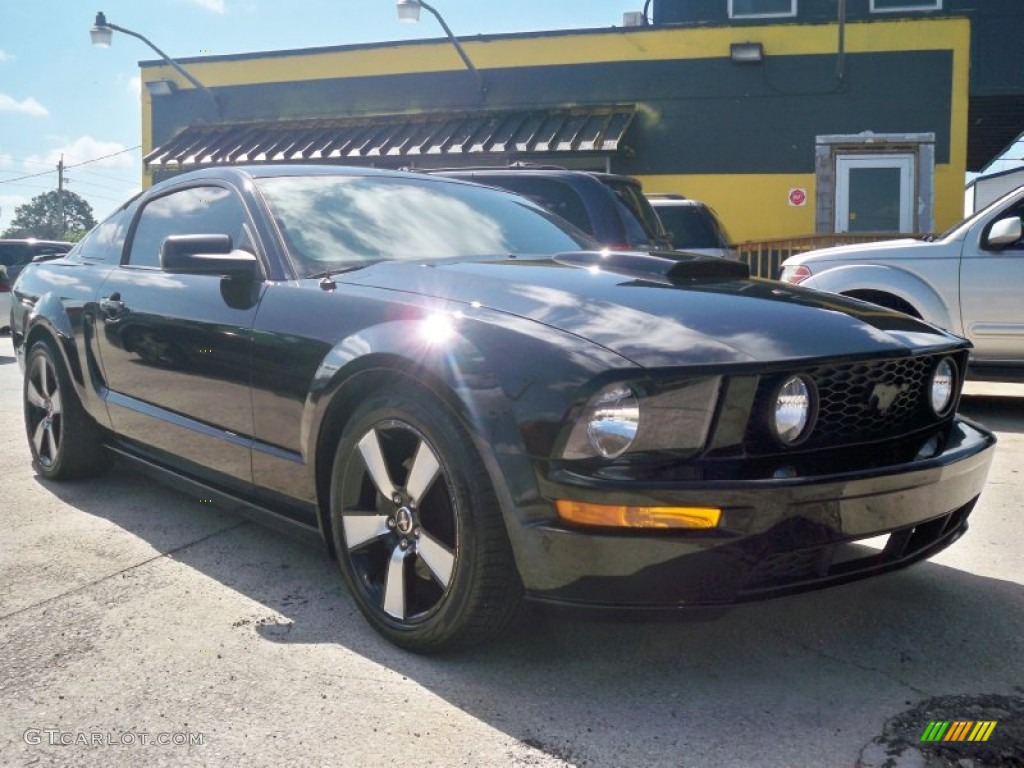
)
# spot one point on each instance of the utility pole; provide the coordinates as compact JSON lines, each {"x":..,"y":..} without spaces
{"x":60,"y":198}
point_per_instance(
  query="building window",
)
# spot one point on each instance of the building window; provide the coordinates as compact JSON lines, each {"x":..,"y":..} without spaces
{"x":761,"y":9}
{"x":892,"y":6}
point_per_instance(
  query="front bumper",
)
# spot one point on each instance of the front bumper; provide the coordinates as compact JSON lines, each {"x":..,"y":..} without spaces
{"x":777,"y":537}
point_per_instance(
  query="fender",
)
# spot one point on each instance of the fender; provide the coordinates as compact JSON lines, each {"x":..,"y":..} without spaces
{"x":49,"y":317}
{"x":459,"y":358}
{"x":898,"y":282}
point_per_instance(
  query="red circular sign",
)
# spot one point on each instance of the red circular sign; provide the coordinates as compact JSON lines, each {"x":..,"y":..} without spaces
{"x":797,"y":196}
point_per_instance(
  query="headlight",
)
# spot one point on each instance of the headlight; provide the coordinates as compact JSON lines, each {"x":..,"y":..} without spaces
{"x":650,"y":416}
{"x":943,"y":386}
{"x":612,"y":420}
{"x":793,"y":412}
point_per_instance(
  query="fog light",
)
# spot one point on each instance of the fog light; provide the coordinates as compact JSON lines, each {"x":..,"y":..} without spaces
{"x":793,"y":411}
{"x":943,"y":386}
{"x":612,"y":516}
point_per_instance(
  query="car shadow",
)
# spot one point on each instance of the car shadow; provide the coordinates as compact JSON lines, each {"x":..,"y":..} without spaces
{"x":626,"y":693}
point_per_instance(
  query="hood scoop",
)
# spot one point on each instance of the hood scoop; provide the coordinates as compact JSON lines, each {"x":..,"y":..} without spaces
{"x":671,"y":267}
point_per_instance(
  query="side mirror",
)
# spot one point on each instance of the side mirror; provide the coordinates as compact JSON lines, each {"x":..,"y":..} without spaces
{"x":206,"y":255}
{"x":1004,"y":232}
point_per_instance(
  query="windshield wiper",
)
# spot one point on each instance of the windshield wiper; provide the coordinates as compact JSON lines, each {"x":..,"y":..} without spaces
{"x":327,"y":273}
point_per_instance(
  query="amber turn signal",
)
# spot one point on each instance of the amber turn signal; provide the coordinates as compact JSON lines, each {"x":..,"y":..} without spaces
{"x":609,"y":516}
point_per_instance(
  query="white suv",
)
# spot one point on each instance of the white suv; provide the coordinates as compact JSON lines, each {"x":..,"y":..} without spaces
{"x":969,"y":280}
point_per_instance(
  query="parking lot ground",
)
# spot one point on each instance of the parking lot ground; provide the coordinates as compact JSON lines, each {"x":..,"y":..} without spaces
{"x":129,"y":611}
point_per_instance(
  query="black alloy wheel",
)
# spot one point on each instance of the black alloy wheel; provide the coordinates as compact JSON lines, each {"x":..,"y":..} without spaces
{"x":420,"y":539}
{"x":65,"y":442}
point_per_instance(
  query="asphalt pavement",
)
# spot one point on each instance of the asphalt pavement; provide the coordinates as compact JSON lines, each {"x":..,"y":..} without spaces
{"x":140,"y":626}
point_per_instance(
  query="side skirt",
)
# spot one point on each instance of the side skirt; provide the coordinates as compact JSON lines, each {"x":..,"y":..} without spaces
{"x":235,"y":504}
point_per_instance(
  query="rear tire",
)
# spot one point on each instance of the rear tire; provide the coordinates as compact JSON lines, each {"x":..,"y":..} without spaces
{"x":66,"y":443}
{"x":420,"y":538}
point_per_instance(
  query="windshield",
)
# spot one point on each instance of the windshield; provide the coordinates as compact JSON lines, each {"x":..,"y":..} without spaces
{"x":976,"y":216}
{"x":342,"y":222}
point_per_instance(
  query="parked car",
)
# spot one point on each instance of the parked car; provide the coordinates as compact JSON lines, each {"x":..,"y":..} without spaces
{"x":692,"y":226}
{"x":5,"y":299}
{"x":610,"y":208}
{"x":967,"y":280}
{"x":468,"y":402}
{"x":15,"y":254}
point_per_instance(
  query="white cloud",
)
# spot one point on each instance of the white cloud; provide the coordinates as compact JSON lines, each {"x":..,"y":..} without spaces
{"x":87,"y":148}
{"x":135,"y":85}
{"x":5,"y":56}
{"x":27,"y":106}
{"x":8,"y":203}
{"x":214,"y":6}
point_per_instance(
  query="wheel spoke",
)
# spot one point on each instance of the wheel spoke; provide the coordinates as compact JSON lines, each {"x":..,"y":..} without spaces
{"x":424,"y":469}
{"x":394,"y":584}
{"x":369,"y":448}
{"x":55,"y":404}
{"x":38,"y":435}
{"x":44,"y":375}
{"x":32,"y":393}
{"x":360,"y":529}
{"x":438,"y":558}
{"x":51,"y":442}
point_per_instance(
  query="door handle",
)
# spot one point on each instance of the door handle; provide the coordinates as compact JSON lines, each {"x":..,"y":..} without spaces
{"x":112,"y":304}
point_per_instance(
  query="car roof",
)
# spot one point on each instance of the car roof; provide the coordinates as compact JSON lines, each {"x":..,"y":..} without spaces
{"x":33,"y":241}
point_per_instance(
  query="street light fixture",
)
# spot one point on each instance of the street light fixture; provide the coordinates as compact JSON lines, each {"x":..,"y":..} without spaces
{"x":102,"y":33}
{"x":409,"y":11}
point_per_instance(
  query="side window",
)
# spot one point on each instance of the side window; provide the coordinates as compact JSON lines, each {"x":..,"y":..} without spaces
{"x":14,"y":254}
{"x":106,"y":241}
{"x":193,"y":211}
{"x":761,"y":9}
{"x":889,"y":6}
{"x":554,"y":196}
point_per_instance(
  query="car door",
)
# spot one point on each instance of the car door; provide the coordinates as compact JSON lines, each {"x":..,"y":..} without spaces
{"x":175,"y":348}
{"x":990,"y":292}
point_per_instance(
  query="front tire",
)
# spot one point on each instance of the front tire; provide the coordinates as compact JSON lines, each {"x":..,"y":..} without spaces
{"x":65,"y":442}
{"x":420,"y":539}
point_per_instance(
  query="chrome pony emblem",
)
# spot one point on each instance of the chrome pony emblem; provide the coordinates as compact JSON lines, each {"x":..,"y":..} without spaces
{"x":884,"y":395}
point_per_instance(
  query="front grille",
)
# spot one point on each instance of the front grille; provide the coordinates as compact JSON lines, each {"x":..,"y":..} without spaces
{"x":857,"y":403}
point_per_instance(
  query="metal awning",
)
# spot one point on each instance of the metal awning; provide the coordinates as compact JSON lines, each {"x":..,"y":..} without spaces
{"x":397,"y":139}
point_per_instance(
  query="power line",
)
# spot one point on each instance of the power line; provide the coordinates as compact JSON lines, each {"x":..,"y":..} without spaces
{"x":76,"y":165}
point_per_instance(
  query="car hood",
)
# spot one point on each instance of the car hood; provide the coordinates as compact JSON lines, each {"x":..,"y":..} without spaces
{"x":907,"y":247}
{"x":655,"y":321}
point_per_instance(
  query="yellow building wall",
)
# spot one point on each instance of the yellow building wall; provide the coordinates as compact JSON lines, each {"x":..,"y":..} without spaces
{"x":751,"y":206}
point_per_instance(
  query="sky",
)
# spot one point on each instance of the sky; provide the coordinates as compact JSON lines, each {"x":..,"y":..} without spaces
{"x":60,"y":95}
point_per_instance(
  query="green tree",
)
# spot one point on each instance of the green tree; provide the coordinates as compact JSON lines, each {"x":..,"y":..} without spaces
{"x":40,"y":217}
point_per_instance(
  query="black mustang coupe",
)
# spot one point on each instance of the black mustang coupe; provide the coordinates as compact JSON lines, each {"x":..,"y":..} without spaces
{"x":469,"y":403}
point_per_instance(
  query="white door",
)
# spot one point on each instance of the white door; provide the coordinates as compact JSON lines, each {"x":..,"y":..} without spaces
{"x":875,"y":193}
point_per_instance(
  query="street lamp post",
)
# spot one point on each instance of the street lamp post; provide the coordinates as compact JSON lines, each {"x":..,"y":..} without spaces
{"x":102,"y":33}
{"x":409,"y":11}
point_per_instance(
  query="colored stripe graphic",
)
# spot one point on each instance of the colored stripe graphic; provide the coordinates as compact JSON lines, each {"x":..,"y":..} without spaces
{"x":982,"y":730}
{"x":959,"y":730}
{"x":935,"y":731}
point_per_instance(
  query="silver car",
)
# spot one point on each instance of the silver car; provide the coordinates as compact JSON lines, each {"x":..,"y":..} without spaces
{"x":967,"y":280}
